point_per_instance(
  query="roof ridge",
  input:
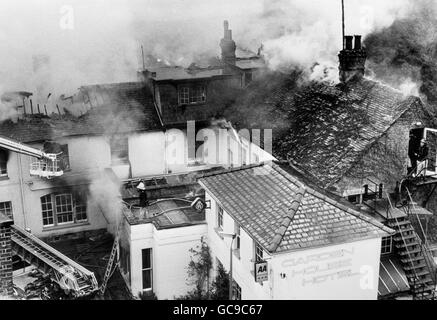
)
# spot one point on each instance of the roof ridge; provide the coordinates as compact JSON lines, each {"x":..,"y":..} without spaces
{"x":288,"y":175}
{"x":349,"y":210}
{"x":280,"y":232}
{"x":230,"y":170}
{"x":332,"y":201}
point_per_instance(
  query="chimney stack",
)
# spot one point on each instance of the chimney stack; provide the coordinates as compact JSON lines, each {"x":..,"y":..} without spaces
{"x":349,"y":41}
{"x":228,"y":45}
{"x":352,"y":59}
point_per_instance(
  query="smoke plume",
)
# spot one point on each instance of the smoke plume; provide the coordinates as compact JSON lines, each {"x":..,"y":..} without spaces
{"x":404,"y":53}
{"x":52,"y":47}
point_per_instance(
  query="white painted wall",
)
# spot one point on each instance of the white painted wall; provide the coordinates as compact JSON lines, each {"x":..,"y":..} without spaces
{"x":357,"y":262}
{"x":347,"y":271}
{"x":146,"y":153}
{"x":171,"y":257}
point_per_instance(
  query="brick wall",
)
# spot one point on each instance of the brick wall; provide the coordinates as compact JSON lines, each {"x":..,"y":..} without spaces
{"x":5,"y":257}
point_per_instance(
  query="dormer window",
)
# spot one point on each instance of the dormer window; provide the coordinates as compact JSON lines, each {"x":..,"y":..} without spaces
{"x":192,"y":94}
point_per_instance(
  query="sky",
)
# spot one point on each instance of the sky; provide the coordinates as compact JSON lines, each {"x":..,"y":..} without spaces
{"x":56,"y":45}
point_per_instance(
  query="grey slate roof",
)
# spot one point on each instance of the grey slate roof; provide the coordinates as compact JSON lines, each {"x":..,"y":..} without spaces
{"x":329,"y":128}
{"x":283,"y":214}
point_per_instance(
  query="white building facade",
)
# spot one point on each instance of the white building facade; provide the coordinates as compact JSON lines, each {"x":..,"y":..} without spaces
{"x":324,"y":261}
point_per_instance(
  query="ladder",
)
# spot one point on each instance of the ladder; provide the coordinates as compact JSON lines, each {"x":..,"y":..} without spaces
{"x":114,"y":255}
{"x":66,"y":272}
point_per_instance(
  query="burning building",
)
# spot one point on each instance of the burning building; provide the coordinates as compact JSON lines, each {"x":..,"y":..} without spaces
{"x":355,"y":139}
{"x":107,"y":139}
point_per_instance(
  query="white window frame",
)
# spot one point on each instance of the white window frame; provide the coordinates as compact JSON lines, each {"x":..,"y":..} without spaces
{"x":149,"y":269}
{"x":425,"y":136}
{"x":387,"y":245}
{"x":6,"y":207}
{"x":52,"y":209}
{"x":237,"y":241}
{"x":191,"y":94}
{"x":219,"y":217}
{"x":258,"y":252}
{"x":184,"y":95}
{"x":50,"y":213}
{"x":64,"y":211}
{"x":236,"y":290}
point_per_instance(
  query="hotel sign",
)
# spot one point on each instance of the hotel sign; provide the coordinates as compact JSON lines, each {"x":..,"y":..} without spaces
{"x":261,"y":273}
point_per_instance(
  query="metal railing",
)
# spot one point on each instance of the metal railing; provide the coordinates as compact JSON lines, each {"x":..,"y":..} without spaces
{"x":46,"y":168}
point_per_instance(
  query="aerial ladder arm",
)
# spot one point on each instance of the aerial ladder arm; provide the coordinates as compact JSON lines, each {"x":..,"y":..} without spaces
{"x":18,"y":147}
{"x":47,"y":166}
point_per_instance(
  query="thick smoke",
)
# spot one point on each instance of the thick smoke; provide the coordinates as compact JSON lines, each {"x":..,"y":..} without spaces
{"x":308,"y":34}
{"x":51,"y":47}
{"x":404,"y":53}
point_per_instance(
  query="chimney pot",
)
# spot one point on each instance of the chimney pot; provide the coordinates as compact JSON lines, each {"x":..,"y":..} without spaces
{"x":349,"y":40}
{"x":357,"y":45}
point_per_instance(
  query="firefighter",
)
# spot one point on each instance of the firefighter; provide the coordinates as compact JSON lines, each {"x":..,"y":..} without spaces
{"x":422,"y":156}
{"x":141,"y":187}
{"x":413,"y":150}
{"x":423,"y":151}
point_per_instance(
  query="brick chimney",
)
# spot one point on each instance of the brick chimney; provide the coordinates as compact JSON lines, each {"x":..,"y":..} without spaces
{"x":228,"y":45}
{"x":5,"y":256}
{"x":352,"y":59}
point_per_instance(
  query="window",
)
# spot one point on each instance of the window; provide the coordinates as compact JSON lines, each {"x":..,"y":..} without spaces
{"x":386,"y":245}
{"x":184,"y":95}
{"x":3,"y":163}
{"x":219,"y":217}
{"x":65,"y":208}
{"x":237,"y":237}
{"x":80,"y":207}
{"x":119,"y":150}
{"x":192,"y":94}
{"x":236,"y":290}
{"x":147,"y":269}
{"x":6,"y":209}
{"x":47,"y":211}
{"x":258,"y":253}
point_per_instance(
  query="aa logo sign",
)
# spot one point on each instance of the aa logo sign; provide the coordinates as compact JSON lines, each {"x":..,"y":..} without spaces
{"x":261,"y":272}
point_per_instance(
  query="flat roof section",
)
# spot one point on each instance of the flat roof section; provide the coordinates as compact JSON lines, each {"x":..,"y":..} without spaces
{"x":165,"y":213}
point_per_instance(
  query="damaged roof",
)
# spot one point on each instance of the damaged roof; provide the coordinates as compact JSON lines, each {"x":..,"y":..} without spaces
{"x":331,"y":127}
{"x":173,"y":73}
{"x":282,"y":213}
{"x":111,"y":109}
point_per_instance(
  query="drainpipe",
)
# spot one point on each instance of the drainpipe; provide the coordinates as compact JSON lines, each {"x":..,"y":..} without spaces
{"x":23,"y":202}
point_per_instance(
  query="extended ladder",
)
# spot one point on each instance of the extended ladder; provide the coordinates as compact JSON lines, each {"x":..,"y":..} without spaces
{"x":66,"y":272}
{"x":114,"y":255}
